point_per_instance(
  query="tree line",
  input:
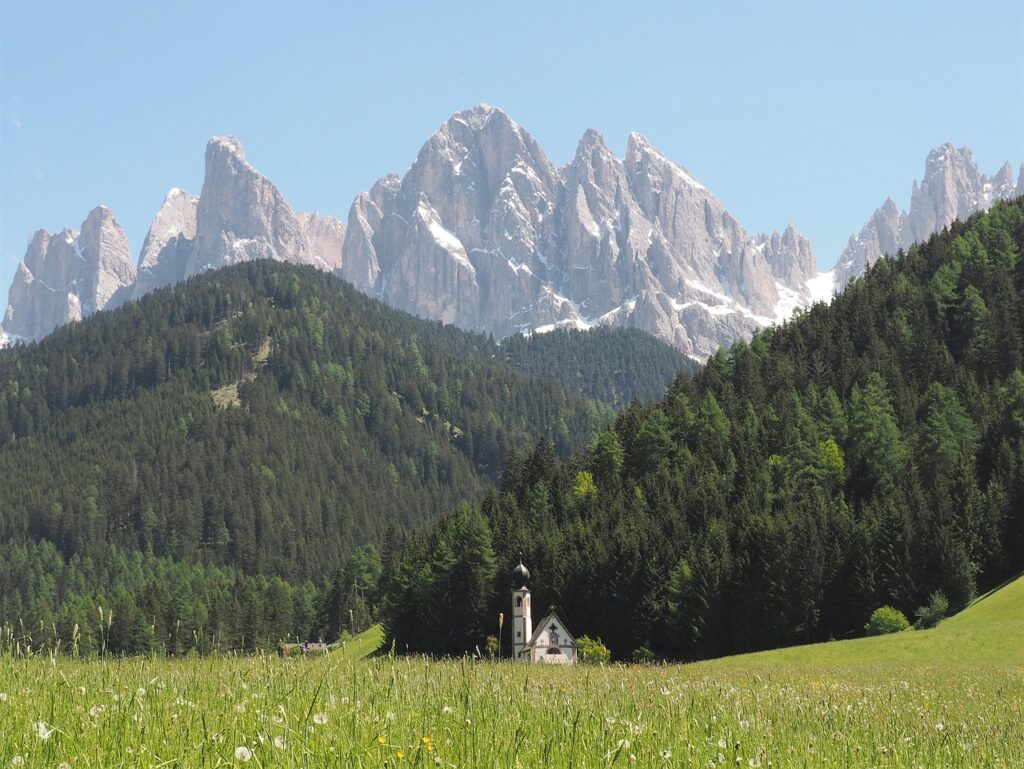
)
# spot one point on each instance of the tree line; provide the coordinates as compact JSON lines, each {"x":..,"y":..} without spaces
{"x":866,"y":453}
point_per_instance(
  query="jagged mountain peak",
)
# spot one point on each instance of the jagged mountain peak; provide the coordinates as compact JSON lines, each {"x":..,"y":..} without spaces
{"x":175,"y":219}
{"x":66,"y":276}
{"x":229,"y":145}
{"x":642,"y":156}
{"x":952,"y":188}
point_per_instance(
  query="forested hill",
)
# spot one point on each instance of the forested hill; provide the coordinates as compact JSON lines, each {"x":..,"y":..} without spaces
{"x":610,"y":365}
{"x":265,"y":416}
{"x":868,"y":452}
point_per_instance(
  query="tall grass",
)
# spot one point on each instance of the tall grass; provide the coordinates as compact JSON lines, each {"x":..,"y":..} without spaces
{"x":329,"y":711}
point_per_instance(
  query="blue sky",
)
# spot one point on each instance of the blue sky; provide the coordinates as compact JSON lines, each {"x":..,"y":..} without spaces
{"x":807,"y":112}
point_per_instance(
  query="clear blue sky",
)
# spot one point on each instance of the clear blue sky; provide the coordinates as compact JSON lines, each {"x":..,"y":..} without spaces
{"x":811,"y":112}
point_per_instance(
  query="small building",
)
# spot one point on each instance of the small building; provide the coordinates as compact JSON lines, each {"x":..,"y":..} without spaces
{"x":309,"y":647}
{"x":551,"y":642}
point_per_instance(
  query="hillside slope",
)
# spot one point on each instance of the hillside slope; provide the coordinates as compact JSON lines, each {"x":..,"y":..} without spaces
{"x":868,"y":452}
{"x":988,"y":632}
{"x":266,"y":417}
{"x":611,"y":365}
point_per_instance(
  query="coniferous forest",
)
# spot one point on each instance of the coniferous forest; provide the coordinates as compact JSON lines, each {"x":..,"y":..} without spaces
{"x":866,"y":453}
{"x":207,"y":461}
{"x":264,"y":453}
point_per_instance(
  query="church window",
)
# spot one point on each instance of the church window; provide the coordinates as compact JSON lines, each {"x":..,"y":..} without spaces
{"x":519,"y":600}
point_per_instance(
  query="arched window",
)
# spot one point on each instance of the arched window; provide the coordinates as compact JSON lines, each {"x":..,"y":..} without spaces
{"x":519,"y":600}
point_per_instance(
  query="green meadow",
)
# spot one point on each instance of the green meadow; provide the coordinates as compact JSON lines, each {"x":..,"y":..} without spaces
{"x":948,"y":697}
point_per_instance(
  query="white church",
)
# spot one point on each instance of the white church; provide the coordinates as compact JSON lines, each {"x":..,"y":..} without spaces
{"x":550,"y":643}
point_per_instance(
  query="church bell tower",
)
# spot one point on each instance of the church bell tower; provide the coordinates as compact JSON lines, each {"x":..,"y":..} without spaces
{"x":522,"y":619}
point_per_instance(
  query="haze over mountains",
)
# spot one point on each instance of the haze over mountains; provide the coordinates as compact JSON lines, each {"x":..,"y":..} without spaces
{"x":483,"y":231}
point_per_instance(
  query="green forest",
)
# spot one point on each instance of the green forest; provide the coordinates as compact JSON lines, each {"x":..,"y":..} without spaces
{"x":866,"y":453}
{"x":205,"y":463}
{"x":262,"y":453}
{"x":611,"y":365}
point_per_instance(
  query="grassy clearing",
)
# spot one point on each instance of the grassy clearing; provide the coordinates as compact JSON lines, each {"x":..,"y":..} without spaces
{"x":989,"y":632}
{"x":911,"y":700}
{"x":361,"y":646}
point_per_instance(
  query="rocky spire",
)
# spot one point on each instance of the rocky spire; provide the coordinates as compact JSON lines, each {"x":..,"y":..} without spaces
{"x":66,"y":276}
{"x":242,"y":216}
{"x":952,"y":188}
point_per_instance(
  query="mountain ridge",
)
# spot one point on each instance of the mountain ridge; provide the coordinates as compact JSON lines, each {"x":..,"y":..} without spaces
{"x":484,"y":231}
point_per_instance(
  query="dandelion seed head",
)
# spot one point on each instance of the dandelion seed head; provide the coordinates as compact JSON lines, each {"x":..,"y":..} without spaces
{"x":42,"y":730}
{"x":243,"y":753}
{"x":320,"y":718}
{"x":279,"y":743}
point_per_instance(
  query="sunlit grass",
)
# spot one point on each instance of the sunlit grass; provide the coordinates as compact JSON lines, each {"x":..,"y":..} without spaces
{"x":327,"y":711}
{"x":828,"y":707}
{"x":361,"y":646}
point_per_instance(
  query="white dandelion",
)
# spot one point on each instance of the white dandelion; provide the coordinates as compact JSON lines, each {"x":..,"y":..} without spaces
{"x":243,"y":753}
{"x":320,"y":718}
{"x":43,"y":731}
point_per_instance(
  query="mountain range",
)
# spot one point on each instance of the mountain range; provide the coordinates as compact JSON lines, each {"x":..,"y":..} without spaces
{"x":484,"y":232}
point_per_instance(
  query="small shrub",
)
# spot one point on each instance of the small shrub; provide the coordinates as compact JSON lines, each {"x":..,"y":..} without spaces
{"x":643,"y":654}
{"x":592,"y":650}
{"x":491,"y":647}
{"x":937,"y":609}
{"x":886,"y":619}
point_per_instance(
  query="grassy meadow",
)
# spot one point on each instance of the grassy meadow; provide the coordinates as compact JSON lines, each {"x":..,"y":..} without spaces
{"x":949,"y":697}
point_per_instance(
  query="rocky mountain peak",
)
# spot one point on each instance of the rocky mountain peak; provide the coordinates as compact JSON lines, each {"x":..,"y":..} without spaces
{"x":224,"y":146}
{"x":67,"y":276}
{"x":789,"y":255}
{"x":242,"y":216}
{"x":175,"y":219}
{"x":952,"y":188}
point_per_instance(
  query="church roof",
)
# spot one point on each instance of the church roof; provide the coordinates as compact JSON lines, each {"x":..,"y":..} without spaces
{"x":552,"y":617}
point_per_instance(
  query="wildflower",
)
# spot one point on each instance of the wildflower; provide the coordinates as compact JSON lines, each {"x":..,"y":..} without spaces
{"x":140,"y":692}
{"x":63,"y":765}
{"x":380,"y":740}
{"x":96,"y":710}
{"x":43,"y":731}
{"x":437,"y":761}
{"x":243,"y":753}
{"x":723,"y":744}
{"x":623,"y":745}
{"x":320,"y":718}
{"x":240,"y":707}
{"x":400,"y":754}
{"x":18,"y":761}
{"x":3,"y":696}
{"x":754,"y":762}
{"x":279,"y":743}
{"x":665,"y":754}
{"x":447,"y":710}
{"x":426,"y":741}
{"x":940,"y":727}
